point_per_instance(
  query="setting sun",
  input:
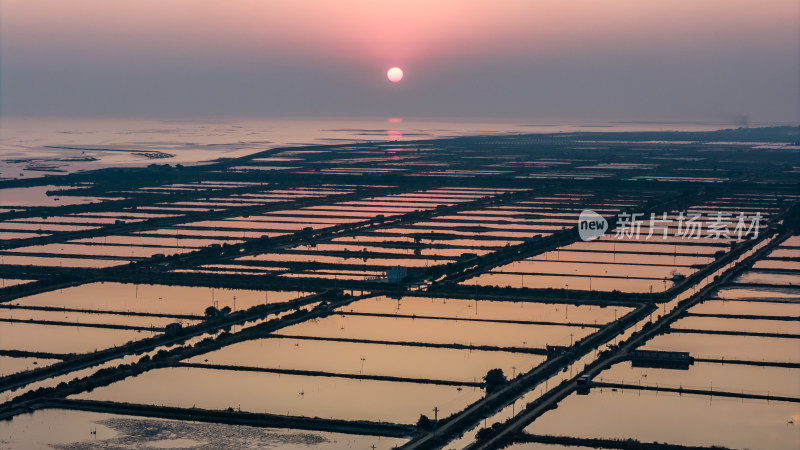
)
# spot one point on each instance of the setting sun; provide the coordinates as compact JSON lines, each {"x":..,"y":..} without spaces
{"x":395,"y":74}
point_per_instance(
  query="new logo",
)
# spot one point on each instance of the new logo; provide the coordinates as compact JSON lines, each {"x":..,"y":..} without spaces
{"x":591,"y":225}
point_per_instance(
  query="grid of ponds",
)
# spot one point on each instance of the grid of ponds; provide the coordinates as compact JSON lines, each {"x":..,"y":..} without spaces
{"x":742,"y":341}
{"x":430,"y":346}
{"x":368,"y":254}
{"x":646,"y":258}
{"x":391,"y":359}
{"x":101,"y":315}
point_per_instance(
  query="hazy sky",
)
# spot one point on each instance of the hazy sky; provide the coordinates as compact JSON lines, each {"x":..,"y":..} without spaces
{"x":711,"y":60}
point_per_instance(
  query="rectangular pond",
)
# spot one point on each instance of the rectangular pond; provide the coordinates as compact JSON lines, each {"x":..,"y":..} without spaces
{"x":369,"y":359}
{"x":310,"y":396}
{"x":758,"y":380}
{"x":12,"y":364}
{"x":737,"y":307}
{"x":59,"y":428}
{"x":605,"y":284}
{"x":488,"y":309}
{"x":438,"y":331}
{"x":674,"y":419}
{"x":148,"y":298}
{"x":91,"y":318}
{"x":734,"y":324}
{"x":748,"y":348}
{"x":33,"y":337}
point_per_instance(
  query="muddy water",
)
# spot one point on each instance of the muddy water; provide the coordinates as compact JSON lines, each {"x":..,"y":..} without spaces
{"x":566,"y":282}
{"x":355,"y":259}
{"x":243,"y":267}
{"x":372,"y":359}
{"x":488,"y":309}
{"x":10,"y":235}
{"x":759,"y":293}
{"x":506,"y":217}
{"x":10,"y":364}
{"x":640,"y":270}
{"x":254,"y":225}
{"x":179,"y":210}
{"x":7,"y":282}
{"x":621,"y":258}
{"x":785,"y":253}
{"x":37,"y":196}
{"x":733,"y":324}
{"x":127,"y":359}
{"x":63,"y":339}
{"x":106,"y":250}
{"x":323,"y":275}
{"x":479,"y":234}
{"x":686,"y":420}
{"x":536,"y":446}
{"x":747,"y":308}
{"x":613,"y":245}
{"x":153,"y":298}
{"x":392,"y":204}
{"x":43,"y":227}
{"x":58,"y":261}
{"x":302,"y":220}
{"x":233,"y":235}
{"x":424,"y":251}
{"x":438,"y":331}
{"x":59,"y":428}
{"x":780,"y":381}
{"x":109,"y":319}
{"x":387,"y":211}
{"x":124,"y":214}
{"x":749,"y":348}
{"x":325,"y":397}
{"x":72,"y":219}
{"x":777,"y":264}
{"x":158,"y":241}
{"x":778,"y":279}
{"x":499,"y":226}
{"x":307,"y":212}
{"x":467,"y":243}
{"x":792,"y":241}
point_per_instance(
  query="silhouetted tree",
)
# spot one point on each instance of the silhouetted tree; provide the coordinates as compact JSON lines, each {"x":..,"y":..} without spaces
{"x":494,"y":379}
{"x":424,"y":423}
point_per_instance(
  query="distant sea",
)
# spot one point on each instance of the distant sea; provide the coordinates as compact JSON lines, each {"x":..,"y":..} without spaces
{"x":35,"y":147}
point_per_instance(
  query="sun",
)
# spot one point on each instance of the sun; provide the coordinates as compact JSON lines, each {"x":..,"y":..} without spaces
{"x":395,"y":74}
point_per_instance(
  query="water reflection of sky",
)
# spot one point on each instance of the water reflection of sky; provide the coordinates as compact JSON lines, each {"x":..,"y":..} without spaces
{"x":33,"y":147}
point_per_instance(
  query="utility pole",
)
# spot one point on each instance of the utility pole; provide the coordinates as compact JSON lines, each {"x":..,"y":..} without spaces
{"x":435,"y":420}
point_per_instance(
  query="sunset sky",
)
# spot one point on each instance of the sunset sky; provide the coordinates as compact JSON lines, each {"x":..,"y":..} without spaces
{"x":708,"y":60}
